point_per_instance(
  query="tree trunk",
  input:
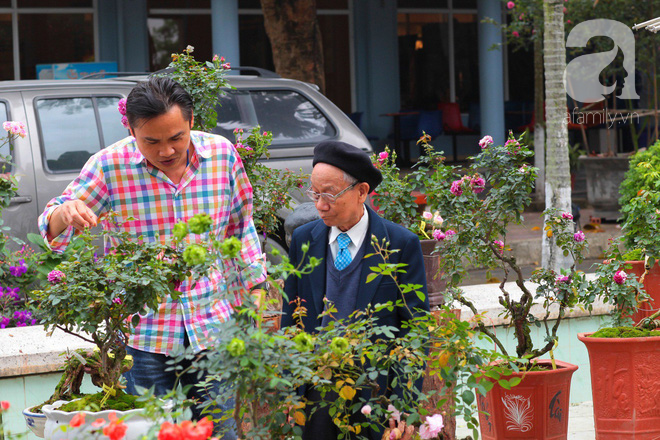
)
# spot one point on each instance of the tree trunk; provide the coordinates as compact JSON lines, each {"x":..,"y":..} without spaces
{"x":558,"y":179}
{"x":539,"y":122}
{"x":295,"y":38}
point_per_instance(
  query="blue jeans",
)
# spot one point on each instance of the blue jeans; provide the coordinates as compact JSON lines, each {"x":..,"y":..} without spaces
{"x":149,"y":370}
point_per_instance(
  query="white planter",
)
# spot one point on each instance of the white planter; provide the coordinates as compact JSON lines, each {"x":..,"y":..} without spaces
{"x":57,"y":420}
{"x":35,"y":421}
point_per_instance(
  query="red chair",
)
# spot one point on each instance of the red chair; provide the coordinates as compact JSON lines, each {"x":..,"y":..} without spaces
{"x":452,"y":123}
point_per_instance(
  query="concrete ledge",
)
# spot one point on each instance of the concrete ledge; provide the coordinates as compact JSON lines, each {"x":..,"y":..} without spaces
{"x":30,"y":350}
{"x":485,"y":298}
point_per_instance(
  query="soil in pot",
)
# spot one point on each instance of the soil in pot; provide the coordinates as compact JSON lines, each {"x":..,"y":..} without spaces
{"x":120,"y":402}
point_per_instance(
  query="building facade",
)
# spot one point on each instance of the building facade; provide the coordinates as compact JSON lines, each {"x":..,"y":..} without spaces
{"x":380,"y":56}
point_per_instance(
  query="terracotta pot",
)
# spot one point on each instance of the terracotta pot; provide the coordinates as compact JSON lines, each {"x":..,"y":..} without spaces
{"x":625,"y":386}
{"x":652,"y":287}
{"x":535,"y":409}
{"x":432,"y":266}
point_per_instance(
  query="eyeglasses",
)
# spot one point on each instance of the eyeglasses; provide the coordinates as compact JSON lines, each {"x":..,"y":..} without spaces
{"x":328,"y":198}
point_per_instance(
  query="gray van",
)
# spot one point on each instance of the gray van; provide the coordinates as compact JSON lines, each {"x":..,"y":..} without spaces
{"x":69,"y":120}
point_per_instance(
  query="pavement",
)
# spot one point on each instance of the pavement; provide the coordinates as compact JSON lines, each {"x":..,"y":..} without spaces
{"x":525,"y":243}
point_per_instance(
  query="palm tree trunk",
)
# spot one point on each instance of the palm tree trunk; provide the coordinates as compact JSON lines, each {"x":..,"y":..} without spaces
{"x":295,"y":37}
{"x":558,"y":180}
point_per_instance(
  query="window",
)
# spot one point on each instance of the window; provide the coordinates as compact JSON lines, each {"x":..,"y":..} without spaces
{"x":289,"y":115}
{"x":54,"y":38}
{"x":70,"y":133}
{"x":112,"y":128}
{"x":6,"y":48}
{"x":4,"y":116}
{"x":424,"y":60}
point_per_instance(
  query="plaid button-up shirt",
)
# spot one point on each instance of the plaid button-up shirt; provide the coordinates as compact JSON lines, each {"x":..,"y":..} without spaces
{"x":120,"y":179}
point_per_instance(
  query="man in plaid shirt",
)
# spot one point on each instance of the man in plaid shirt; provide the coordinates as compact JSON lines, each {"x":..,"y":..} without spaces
{"x":162,"y":174}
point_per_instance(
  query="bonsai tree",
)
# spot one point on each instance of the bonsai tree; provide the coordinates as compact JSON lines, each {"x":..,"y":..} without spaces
{"x":98,"y":299}
{"x":474,"y":229}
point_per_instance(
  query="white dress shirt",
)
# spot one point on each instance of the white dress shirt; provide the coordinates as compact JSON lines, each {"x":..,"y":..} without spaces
{"x":357,"y":234}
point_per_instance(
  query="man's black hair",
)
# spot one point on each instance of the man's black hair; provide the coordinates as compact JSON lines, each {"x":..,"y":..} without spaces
{"x":156,"y":97}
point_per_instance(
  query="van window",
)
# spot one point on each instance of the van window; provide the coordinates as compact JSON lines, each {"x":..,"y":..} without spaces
{"x":112,"y":128}
{"x":5,"y":150}
{"x":290,"y":116}
{"x":70,"y":133}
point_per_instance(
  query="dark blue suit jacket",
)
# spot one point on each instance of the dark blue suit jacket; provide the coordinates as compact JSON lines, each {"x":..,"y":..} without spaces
{"x":311,"y":287}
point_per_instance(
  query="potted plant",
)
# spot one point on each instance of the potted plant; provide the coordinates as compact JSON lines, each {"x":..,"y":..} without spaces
{"x":397,"y":200}
{"x":623,"y":383}
{"x":638,"y":201}
{"x":98,"y":298}
{"x":474,"y":231}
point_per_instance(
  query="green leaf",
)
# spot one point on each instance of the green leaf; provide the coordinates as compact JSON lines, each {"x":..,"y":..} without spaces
{"x":468,"y":397}
{"x":371,"y":277}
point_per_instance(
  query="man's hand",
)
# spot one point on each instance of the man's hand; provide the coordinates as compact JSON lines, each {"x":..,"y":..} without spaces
{"x":71,"y":213}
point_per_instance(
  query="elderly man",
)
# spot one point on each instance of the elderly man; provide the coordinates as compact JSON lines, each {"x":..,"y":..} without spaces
{"x":162,"y":174}
{"x":342,"y":178}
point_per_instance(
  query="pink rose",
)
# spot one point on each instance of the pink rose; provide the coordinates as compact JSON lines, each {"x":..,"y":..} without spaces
{"x":567,"y":215}
{"x":15,"y":128}
{"x":439,"y":235}
{"x":427,"y":216}
{"x":486,"y":141}
{"x":515,"y":34}
{"x":456,"y":188}
{"x":620,"y":277}
{"x":450,"y":232}
{"x":579,"y":236}
{"x":55,"y":276}
{"x":383,"y":156}
{"x":394,"y":413}
{"x":478,"y":184}
{"x":499,"y":244}
{"x":366,"y":410}
{"x":124,"y":122}
{"x":215,"y":57}
{"x":511,"y":5}
{"x":121,"y":106}
{"x":562,"y":279}
{"x":226,"y":66}
{"x":432,"y":427}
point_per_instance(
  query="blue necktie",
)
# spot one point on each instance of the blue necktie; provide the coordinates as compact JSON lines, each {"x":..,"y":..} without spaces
{"x":343,"y":258}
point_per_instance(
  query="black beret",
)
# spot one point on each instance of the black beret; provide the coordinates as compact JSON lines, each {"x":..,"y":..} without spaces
{"x":350,"y":159}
